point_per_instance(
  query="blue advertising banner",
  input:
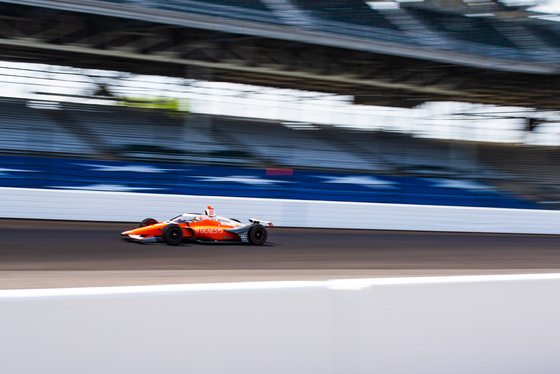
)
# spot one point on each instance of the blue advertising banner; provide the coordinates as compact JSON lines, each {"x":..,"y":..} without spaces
{"x":97,"y":175}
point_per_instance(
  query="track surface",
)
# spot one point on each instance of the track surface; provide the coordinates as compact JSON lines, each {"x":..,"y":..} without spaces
{"x":43,"y":254}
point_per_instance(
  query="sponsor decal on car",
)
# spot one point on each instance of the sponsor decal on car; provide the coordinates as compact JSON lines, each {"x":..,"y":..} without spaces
{"x":208,"y":230}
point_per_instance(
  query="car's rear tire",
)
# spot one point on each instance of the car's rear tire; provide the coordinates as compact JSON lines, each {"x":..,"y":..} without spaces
{"x":172,"y":234}
{"x":257,"y":235}
{"x":148,"y":222}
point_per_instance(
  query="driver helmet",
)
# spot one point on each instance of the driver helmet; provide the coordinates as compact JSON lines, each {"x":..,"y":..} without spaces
{"x":210,"y":211}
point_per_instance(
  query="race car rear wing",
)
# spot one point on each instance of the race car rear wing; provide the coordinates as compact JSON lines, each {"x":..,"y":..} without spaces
{"x":253,"y":220}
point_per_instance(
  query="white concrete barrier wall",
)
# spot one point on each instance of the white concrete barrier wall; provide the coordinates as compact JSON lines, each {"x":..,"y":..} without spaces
{"x":460,"y":325}
{"x":133,"y":207}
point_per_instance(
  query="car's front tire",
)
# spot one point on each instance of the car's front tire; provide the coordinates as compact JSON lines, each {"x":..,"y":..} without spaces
{"x":172,"y":234}
{"x":257,"y":235}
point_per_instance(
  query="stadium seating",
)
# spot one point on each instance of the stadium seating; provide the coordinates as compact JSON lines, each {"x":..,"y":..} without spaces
{"x":27,"y":130}
{"x":275,"y":144}
{"x":147,"y":134}
{"x":328,"y":163}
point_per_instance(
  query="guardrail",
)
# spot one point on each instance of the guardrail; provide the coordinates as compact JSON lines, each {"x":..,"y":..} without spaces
{"x":133,"y":207}
{"x":478,"y":324}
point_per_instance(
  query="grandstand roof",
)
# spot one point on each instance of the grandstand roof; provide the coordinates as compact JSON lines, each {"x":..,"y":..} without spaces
{"x":395,"y":57}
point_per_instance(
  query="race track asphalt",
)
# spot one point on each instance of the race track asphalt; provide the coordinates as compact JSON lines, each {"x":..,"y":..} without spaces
{"x":45,"y":254}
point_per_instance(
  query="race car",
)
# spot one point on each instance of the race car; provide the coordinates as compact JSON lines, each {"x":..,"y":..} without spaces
{"x":207,"y":227}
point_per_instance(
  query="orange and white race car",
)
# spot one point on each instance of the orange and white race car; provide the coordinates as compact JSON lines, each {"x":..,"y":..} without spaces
{"x":207,"y":227}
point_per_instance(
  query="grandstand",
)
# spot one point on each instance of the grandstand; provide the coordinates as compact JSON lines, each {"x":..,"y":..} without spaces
{"x":534,"y":170}
{"x":404,"y":54}
{"x":486,"y":28}
{"x":31,"y":131}
{"x":352,"y":47}
{"x":426,"y":171}
{"x":146,"y":134}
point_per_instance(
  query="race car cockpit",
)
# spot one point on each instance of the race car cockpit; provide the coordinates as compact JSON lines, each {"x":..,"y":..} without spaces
{"x":187,"y":217}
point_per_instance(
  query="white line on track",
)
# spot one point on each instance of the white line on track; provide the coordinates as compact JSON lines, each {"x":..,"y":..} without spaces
{"x":333,"y":284}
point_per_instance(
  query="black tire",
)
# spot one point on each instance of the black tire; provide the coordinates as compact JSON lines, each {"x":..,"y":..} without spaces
{"x":148,"y":222}
{"x":172,"y":234}
{"x":257,"y":235}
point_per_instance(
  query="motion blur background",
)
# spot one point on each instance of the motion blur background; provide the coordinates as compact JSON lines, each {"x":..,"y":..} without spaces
{"x":118,"y":110}
{"x":416,"y":102}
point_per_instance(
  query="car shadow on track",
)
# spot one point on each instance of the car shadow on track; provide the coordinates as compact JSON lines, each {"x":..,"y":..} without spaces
{"x":212,"y":244}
